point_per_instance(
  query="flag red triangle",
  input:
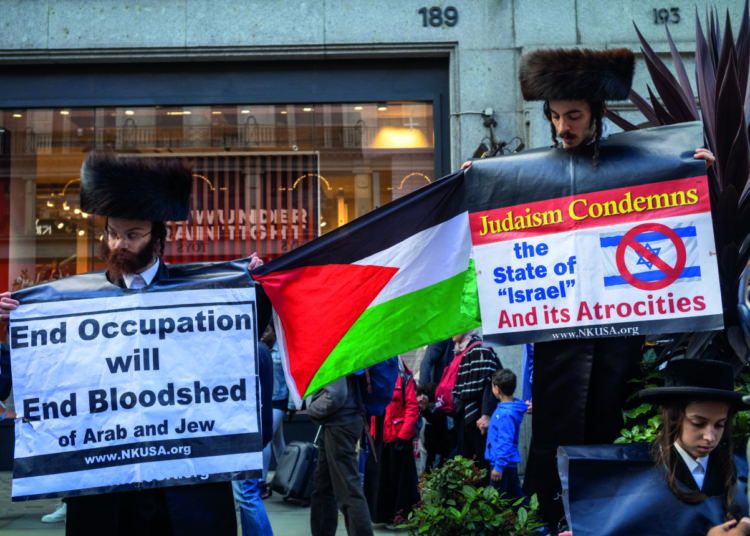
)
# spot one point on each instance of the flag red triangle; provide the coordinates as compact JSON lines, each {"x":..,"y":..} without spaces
{"x":325,"y":302}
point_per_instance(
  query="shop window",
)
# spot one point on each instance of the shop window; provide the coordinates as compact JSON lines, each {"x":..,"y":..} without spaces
{"x":268,"y":178}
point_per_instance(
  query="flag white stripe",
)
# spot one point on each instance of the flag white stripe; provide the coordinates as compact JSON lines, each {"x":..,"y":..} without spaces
{"x":426,"y":258}
{"x":284,"y":354}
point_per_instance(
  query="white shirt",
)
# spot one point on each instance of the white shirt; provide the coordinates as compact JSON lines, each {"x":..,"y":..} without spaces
{"x":148,"y":274}
{"x":697,"y":467}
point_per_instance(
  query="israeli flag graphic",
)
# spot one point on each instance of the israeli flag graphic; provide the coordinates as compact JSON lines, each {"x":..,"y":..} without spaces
{"x":646,"y":266}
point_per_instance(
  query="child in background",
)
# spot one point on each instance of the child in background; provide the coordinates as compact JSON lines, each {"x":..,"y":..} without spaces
{"x":502,"y":436}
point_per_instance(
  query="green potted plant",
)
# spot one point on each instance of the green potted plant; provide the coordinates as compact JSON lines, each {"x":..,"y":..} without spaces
{"x":453,"y":504}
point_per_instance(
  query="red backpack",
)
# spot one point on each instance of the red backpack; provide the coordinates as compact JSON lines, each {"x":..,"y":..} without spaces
{"x":444,"y":390}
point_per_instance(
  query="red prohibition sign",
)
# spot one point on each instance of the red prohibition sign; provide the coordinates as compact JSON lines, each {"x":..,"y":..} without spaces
{"x":671,"y":273}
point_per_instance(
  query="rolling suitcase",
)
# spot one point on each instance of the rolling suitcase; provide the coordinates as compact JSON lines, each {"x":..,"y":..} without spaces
{"x":294,"y":472}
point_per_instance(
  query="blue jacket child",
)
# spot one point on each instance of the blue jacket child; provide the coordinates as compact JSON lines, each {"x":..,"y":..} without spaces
{"x":502,"y":435}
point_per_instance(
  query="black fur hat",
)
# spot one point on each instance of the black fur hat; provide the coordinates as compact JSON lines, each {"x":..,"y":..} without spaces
{"x":696,"y":379}
{"x":576,"y":74}
{"x":134,"y":188}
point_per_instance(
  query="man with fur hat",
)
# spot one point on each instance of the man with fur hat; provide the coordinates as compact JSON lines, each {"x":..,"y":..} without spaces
{"x":575,"y":85}
{"x":137,"y":195}
{"x":579,"y":385}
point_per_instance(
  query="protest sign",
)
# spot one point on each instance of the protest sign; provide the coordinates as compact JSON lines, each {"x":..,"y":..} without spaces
{"x":145,"y":389}
{"x":627,"y":249}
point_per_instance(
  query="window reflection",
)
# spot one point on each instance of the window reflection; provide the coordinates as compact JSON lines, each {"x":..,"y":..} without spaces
{"x":268,"y":177}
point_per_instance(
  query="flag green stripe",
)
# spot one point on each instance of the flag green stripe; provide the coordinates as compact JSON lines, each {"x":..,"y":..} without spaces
{"x":422,"y":317}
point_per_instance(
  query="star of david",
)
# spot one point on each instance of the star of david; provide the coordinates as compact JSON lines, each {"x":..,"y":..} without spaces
{"x":648,"y":264}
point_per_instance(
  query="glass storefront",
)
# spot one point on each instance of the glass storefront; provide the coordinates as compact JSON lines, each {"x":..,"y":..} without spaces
{"x":267,"y":177}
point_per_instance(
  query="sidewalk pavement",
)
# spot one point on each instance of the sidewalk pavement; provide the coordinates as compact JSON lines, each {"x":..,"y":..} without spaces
{"x":24,"y":518}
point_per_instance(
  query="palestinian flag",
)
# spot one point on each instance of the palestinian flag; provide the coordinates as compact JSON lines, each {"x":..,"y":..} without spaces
{"x":395,"y":279}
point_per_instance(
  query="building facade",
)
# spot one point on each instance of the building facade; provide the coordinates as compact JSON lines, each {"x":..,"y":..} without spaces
{"x":298,"y":117}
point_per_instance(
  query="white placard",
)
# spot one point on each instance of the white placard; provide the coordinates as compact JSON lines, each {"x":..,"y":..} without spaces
{"x":143,"y":390}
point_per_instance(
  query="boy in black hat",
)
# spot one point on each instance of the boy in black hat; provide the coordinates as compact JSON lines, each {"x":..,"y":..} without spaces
{"x":689,"y":486}
{"x":695,"y":440}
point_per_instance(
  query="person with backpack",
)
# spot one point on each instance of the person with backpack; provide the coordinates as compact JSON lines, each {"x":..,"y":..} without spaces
{"x":336,"y":482}
{"x":390,"y":470}
{"x":436,"y":359}
{"x":473,"y":399}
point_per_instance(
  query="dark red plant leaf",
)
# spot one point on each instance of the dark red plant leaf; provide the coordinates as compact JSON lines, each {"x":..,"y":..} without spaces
{"x":669,"y":90}
{"x":620,"y":121}
{"x":744,"y":211}
{"x":730,"y":122}
{"x":728,"y":51}
{"x":714,"y":187}
{"x":705,"y":76}
{"x":744,"y":196}
{"x":665,"y":118}
{"x":743,"y":60}
{"x":714,"y":194}
{"x":743,"y":55}
{"x":645,"y":108}
{"x":737,"y":167}
{"x":714,"y":33}
{"x":679,"y":66}
{"x":733,"y":154}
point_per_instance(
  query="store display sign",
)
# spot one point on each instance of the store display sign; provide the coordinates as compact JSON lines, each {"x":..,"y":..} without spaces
{"x":247,"y":203}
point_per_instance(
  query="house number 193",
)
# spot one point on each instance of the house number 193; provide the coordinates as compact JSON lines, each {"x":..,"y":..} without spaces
{"x":666,"y":15}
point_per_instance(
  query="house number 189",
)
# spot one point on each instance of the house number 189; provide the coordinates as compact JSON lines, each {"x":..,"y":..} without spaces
{"x":436,"y":17}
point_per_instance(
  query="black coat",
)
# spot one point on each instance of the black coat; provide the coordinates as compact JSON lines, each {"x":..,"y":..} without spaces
{"x":716,"y":474}
{"x":578,"y":393}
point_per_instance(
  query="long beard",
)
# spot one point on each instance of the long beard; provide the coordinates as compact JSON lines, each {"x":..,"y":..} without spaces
{"x":121,"y":262}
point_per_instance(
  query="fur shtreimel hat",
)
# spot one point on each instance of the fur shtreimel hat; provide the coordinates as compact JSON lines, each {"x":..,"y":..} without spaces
{"x":576,"y":74}
{"x":696,"y":379}
{"x":134,"y":188}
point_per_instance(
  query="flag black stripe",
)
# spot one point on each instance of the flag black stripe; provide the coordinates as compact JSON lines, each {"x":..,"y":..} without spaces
{"x":380,"y":229}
